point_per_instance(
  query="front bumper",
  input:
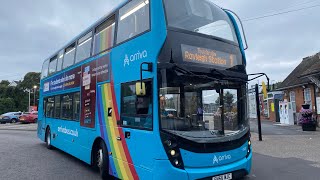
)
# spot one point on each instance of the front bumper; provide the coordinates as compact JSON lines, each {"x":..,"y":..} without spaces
{"x":164,"y":170}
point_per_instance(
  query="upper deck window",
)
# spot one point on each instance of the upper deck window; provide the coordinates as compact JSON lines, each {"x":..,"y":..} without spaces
{"x":133,"y":20}
{"x":84,"y":47}
{"x":69,"y":56}
{"x":53,"y":65}
{"x":104,"y":35}
{"x":60,"y":59}
{"x":45,"y":66}
{"x":200,"y":16}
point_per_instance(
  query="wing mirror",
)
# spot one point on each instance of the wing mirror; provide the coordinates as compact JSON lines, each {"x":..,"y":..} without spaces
{"x":140,"y":89}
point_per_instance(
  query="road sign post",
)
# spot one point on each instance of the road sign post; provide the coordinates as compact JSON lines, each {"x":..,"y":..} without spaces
{"x":258,"y":111}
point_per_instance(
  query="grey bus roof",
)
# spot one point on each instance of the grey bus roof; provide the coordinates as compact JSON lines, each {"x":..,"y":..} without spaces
{"x":97,"y":23}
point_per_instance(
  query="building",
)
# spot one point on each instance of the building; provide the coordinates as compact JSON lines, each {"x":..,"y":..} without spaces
{"x":14,"y":83}
{"x":302,"y":85}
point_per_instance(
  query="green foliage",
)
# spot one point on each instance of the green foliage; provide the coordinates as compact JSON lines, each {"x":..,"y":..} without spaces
{"x":30,"y":79}
{"x":228,"y":99}
{"x":6,"y":105}
{"x":4,"y":83}
{"x":16,"y":98}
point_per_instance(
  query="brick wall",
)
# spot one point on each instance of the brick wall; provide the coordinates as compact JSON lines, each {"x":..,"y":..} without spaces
{"x":300,"y":96}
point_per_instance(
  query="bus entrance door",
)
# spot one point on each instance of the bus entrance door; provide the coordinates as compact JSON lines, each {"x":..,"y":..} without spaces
{"x":126,"y":147}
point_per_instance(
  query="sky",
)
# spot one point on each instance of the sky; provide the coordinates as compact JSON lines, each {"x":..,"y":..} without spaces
{"x":32,"y":30}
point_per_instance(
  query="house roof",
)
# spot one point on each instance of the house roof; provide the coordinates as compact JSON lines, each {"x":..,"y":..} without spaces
{"x":298,"y":75}
{"x":315,"y":68}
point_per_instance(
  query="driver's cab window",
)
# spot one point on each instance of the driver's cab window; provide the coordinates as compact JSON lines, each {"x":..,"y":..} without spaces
{"x":136,"y":110}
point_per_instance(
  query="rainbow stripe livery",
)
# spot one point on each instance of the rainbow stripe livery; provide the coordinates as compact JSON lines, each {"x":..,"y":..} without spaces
{"x":104,"y":39}
{"x":120,"y":161}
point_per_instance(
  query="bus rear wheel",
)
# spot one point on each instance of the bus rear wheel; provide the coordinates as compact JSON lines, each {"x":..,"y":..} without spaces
{"x":48,"y":139}
{"x":101,"y":160}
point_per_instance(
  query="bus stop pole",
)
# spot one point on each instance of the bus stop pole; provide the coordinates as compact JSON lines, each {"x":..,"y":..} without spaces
{"x":258,"y":111}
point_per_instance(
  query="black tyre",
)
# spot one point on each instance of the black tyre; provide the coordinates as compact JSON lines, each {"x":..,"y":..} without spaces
{"x":13,"y":120}
{"x":48,"y":139}
{"x":102,"y":160}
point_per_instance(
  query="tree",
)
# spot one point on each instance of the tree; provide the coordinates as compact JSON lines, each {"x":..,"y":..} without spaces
{"x":4,"y":83}
{"x":6,"y":105}
{"x":30,"y":79}
{"x":228,"y":99}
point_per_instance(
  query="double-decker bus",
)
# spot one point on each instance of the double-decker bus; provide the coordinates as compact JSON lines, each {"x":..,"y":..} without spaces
{"x":154,"y":90}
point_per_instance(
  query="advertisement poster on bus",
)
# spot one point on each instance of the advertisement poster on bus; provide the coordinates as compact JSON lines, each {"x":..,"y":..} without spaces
{"x":92,"y":73}
{"x":64,"y":81}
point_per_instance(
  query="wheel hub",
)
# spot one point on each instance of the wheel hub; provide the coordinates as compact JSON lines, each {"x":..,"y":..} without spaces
{"x":99,"y":158}
{"x":48,"y":139}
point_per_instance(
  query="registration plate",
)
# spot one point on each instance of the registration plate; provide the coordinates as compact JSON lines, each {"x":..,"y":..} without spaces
{"x":223,"y":177}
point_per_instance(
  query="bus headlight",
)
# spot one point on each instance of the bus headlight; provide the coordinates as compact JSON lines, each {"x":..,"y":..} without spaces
{"x":176,"y":162}
{"x":249,"y":149}
{"x":172,"y":150}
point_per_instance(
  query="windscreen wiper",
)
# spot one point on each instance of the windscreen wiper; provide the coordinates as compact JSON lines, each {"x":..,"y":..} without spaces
{"x":226,"y":77}
{"x":191,"y":74}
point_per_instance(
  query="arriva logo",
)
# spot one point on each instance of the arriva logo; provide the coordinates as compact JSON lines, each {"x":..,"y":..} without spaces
{"x":134,"y":57}
{"x":218,"y":159}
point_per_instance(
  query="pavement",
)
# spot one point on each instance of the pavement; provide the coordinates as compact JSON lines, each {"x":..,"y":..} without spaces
{"x":273,"y":128}
{"x":19,"y":126}
{"x":286,"y":152}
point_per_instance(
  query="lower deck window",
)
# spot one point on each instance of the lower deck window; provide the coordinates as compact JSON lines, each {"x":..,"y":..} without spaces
{"x":66,"y":102}
{"x":66,"y":106}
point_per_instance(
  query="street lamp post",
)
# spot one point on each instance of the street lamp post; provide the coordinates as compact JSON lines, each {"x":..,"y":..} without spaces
{"x":34,"y":95}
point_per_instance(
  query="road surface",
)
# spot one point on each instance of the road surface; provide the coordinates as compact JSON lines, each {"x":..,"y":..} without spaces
{"x":23,"y":156}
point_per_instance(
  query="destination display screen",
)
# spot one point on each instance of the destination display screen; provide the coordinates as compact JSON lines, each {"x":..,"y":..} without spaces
{"x":208,"y":56}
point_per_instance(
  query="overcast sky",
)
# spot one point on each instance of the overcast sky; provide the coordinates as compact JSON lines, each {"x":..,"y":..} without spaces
{"x":32,"y":30}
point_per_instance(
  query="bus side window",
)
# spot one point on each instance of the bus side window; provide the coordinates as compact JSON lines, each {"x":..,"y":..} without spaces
{"x":136,"y":111}
{"x":60,"y":59}
{"x":76,"y":106}
{"x":134,"y":19}
{"x":69,"y":56}
{"x":50,"y":107}
{"x":53,"y":65}
{"x":45,"y":67}
{"x":104,"y":35}
{"x":57,"y":106}
{"x":84,"y":47}
{"x":67,"y":107}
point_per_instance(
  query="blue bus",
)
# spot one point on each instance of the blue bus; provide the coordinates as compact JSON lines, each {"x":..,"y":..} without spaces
{"x":157,"y":89}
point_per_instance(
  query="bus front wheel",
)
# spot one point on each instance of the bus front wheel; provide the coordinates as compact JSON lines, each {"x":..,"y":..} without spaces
{"x":102,"y":160}
{"x":48,"y":139}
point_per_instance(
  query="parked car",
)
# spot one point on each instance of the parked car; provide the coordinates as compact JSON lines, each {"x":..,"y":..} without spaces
{"x":29,"y":117}
{"x":10,"y":117}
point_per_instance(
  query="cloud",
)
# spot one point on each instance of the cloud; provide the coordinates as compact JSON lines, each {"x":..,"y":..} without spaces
{"x":36,"y":29}
{"x":277,"y":44}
